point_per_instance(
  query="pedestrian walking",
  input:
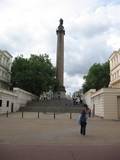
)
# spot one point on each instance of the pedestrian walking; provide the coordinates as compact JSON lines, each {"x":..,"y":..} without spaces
{"x":83,"y":122}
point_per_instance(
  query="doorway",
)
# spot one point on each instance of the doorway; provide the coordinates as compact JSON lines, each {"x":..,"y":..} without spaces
{"x":12,"y":107}
{"x":118,"y":106}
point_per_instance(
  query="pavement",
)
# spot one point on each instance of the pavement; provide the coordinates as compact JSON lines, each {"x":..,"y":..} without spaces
{"x":59,"y":152}
{"x":47,"y":138}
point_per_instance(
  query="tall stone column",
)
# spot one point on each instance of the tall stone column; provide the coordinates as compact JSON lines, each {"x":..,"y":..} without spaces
{"x":60,"y":59}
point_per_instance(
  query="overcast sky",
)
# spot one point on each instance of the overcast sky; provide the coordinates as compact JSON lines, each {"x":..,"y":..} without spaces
{"x":92,"y":32}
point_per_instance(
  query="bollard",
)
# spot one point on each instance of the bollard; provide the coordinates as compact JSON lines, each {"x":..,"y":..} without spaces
{"x":7,"y":114}
{"x":38,"y":114}
{"x":70,"y":115}
{"x":22,"y":114}
{"x":54,"y":115}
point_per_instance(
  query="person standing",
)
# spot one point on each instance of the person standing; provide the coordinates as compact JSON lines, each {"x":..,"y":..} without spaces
{"x":83,"y":122}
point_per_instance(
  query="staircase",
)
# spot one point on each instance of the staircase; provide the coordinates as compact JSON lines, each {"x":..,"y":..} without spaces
{"x":55,"y":105}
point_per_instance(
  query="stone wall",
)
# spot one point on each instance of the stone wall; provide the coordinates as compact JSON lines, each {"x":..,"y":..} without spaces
{"x":7,"y":100}
{"x":106,"y":104}
{"x":87,"y":97}
{"x":111,"y":105}
{"x":98,"y":103}
{"x":12,"y":101}
{"x":23,"y":97}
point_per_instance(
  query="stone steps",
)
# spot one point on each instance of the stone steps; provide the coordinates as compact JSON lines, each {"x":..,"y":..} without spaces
{"x":61,"y":106}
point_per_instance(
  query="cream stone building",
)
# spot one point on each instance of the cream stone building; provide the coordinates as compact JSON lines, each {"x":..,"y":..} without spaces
{"x":5,"y":69}
{"x":115,"y":69}
{"x":11,"y":101}
{"x":105,"y":102}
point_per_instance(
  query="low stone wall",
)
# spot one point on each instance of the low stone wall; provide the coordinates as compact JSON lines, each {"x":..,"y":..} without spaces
{"x":12,"y":101}
{"x":23,"y":96}
{"x":87,"y":98}
{"x":106,"y":103}
{"x":98,"y":103}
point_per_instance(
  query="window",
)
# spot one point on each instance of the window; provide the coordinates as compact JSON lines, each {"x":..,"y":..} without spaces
{"x":7,"y":104}
{"x":0,"y":103}
{"x":112,"y":77}
{"x":116,"y":59}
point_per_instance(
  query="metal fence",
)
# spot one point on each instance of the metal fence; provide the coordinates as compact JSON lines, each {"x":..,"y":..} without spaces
{"x":39,"y":115}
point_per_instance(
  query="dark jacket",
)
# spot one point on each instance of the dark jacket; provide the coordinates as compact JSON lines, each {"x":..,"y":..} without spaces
{"x":83,"y":119}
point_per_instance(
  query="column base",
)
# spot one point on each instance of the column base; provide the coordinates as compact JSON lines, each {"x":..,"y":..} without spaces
{"x":60,"y":93}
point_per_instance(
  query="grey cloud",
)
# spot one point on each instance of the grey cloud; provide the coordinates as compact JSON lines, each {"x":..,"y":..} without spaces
{"x":87,"y":44}
{"x":16,"y":40}
{"x":107,"y":2}
{"x":19,"y":40}
{"x":79,"y":60}
{"x":89,"y":30}
{"x":94,"y":30}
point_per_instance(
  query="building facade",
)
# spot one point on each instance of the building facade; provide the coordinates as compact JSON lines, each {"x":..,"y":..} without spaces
{"x":115,"y":69}
{"x":105,"y":102}
{"x":5,"y":69}
{"x":10,"y":101}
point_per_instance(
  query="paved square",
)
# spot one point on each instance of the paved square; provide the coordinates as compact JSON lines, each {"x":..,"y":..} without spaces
{"x":62,"y":130}
{"x":47,"y":138}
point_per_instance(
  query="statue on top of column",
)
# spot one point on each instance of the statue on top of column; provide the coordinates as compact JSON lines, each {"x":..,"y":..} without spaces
{"x":61,"y":22}
{"x":60,"y":27}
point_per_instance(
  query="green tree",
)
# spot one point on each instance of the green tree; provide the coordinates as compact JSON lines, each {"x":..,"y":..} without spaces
{"x":98,"y":77}
{"x":35,"y":74}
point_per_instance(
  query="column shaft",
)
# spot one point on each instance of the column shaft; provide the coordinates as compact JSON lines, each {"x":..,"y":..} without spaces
{"x":60,"y":58}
